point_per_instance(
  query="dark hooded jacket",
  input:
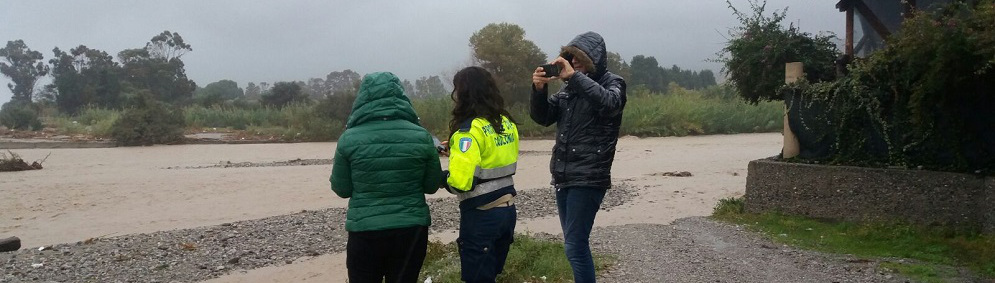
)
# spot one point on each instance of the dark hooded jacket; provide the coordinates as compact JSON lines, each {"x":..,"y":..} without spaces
{"x":587,"y":113}
{"x":385,"y":162}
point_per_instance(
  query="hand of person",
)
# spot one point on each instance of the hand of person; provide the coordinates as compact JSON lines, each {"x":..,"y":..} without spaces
{"x":566,"y":68}
{"x":445,"y":151}
{"x":539,"y":79}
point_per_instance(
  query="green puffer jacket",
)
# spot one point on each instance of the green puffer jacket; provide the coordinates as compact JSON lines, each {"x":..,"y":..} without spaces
{"x":385,"y":161}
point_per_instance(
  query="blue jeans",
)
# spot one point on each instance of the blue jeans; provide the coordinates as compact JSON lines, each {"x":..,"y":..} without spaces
{"x":485,"y":237}
{"x":577,"y":207}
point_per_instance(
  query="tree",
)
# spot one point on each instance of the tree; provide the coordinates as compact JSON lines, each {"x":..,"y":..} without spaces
{"x":618,"y":65}
{"x":503,"y":50}
{"x":167,"y":46}
{"x":263,"y":87}
{"x":646,"y":71}
{"x":284,"y":93}
{"x":429,"y":87}
{"x":157,"y":68}
{"x":23,"y":66}
{"x":707,"y":78}
{"x":409,"y":89}
{"x":317,"y":89}
{"x":342,"y":83}
{"x":252,"y":91}
{"x":47,"y":95}
{"x":218,"y":92}
{"x":85,"y":76}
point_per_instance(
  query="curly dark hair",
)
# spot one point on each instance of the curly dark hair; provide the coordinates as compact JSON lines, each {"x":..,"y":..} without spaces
{"x":476,"y":95}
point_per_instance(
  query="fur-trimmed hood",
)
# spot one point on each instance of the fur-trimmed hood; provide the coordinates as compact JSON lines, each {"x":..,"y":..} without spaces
{"x":589,"y":49}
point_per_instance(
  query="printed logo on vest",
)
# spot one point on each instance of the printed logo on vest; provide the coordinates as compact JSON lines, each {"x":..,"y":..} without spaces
{"x":464,"y":144}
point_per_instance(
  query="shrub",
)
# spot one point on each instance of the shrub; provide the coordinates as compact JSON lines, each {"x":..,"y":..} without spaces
{"x":284,"y":93}
{"x":90,"y":121}
{"x":336,"y":107}
{"x":19,"y":116}
{"x":149,"y":122}
{"x":754,"y":59}
{"x":924,"y":100}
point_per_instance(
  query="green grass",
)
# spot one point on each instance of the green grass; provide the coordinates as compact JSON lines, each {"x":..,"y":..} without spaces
{"x":531,"y":259}
{"x":687,"y":112}
{"x":681,"y":112}
{"x":90,"y":121}
{"x":922,"y":272}
{"x":929,"y":248}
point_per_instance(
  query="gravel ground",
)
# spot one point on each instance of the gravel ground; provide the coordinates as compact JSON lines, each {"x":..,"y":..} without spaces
{"x":191,"y":255}
{"x":531,"y":204}
{"x":690,"y":250}
{"x":697,"y":249}
{"x":229,"y":164}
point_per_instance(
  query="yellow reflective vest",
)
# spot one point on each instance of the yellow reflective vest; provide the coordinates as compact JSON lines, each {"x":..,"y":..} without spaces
{"x":480,"y":159}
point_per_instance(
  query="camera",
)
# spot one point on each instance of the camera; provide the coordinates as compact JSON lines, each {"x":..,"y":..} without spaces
{"x":438,"y":145}
{"x":552,"y":70}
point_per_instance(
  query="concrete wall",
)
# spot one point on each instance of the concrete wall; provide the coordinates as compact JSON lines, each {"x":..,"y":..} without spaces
{"x":861,"y":194}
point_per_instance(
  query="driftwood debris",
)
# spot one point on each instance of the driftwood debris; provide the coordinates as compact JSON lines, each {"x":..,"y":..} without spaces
{"x":10,"y":161}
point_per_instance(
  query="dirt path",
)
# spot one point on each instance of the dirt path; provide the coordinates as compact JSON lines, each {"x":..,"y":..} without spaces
{"x":696,"y":249}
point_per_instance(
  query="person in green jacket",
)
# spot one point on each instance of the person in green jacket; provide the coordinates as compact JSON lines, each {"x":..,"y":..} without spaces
{"x":385,"y":163}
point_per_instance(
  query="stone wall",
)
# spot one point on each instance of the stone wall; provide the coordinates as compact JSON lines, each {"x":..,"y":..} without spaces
{"x":989,"y":206}
{"x":871,"y":194}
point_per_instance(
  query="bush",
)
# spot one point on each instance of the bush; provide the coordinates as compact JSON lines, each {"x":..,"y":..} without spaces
{"x":19,"y":116}
{"x":284,"y":93}
{"x":149,"y":122}
{"x":754,"y":59}
{"x":924,"y":100}
{"x":90,"y":121}
{"x":335,"y":107}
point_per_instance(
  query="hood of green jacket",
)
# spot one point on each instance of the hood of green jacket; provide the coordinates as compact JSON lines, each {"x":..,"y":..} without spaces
{"x":381,"y":97}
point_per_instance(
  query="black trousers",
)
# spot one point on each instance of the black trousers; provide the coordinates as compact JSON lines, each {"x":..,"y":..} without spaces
{"x":394,"y":254}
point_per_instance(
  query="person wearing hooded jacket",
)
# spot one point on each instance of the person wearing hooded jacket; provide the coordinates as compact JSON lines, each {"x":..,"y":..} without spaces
{"x":587,"y":112}
{"x":385,"y":163}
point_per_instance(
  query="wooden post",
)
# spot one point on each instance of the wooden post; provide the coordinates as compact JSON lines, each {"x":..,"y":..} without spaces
{"x":849,"y":31}
{"x":791,"y":148}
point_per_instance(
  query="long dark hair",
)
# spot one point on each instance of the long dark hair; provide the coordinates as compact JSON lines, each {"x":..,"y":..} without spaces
{"x":477,"y":95}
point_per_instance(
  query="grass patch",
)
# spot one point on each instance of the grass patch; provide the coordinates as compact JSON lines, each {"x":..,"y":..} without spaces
{"x":90,"y":121}
{"x":684,"y":112}
{"x":681,"y":112}
{"x":531,"y":259}
{"x":921,"y":272}
{"x":929,"y":246}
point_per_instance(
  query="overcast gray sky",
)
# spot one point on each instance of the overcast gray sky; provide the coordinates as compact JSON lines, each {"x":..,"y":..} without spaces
{"x":299,"y":39}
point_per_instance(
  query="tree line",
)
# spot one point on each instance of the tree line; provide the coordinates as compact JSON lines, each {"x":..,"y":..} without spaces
{"x":84,"y":76}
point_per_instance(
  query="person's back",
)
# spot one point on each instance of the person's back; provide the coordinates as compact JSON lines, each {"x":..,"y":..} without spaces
{"x":385,"y":162}
{"x":481,"y":168}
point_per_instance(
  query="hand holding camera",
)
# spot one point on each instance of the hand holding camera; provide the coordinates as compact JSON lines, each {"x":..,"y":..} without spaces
{"x":560,"y":68}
